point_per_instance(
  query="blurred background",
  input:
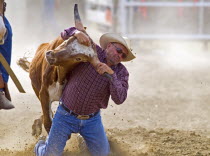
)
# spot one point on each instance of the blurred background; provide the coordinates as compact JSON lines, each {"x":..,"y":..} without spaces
{"x":167,"y":110}
{"x":137,"y":19}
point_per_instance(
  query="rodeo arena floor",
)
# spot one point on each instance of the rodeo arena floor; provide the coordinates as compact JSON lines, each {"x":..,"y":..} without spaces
{"x":167,"y":112}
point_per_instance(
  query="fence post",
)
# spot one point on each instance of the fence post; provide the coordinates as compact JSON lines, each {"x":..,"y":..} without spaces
{"x":200,"y":19}
{"x":122,"y":16}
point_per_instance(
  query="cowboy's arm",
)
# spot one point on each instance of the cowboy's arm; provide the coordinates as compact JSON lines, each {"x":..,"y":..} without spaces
{"x":81,"y":37}
{"x":68,"y":33}
{"x":119,"y":86}
{"x":118,"y":82}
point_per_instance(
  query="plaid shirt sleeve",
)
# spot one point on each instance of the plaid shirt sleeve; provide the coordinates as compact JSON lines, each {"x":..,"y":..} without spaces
{"x":119,"y":83}
{"x":119,"y":86}
{"x":68,"y":32}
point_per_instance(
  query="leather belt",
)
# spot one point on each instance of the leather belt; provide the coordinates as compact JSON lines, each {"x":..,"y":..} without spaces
{"x":81,"y":117}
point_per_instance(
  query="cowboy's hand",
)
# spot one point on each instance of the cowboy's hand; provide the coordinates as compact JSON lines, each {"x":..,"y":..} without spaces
{"x":82,"y":38}
{"x":104,"y":68}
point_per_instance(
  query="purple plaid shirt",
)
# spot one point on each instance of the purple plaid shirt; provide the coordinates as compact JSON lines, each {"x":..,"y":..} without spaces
{"x":87,"y":91}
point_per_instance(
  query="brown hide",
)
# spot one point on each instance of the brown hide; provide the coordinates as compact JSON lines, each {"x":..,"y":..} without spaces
{"x":42,"y":76}
{"x":39,"y":66}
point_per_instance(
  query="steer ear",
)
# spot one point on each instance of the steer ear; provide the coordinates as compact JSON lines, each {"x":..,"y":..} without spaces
{"x":77,"y":19}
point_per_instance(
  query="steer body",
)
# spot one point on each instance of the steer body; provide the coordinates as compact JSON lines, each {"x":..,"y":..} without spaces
{"x":48,"y":70}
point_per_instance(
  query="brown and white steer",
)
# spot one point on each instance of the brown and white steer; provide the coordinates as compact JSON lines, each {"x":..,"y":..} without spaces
{"x":49,"y":67}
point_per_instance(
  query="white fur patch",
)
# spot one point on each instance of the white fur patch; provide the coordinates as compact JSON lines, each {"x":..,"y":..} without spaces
{"x":55,"y":91}
{"x":78,"y":48}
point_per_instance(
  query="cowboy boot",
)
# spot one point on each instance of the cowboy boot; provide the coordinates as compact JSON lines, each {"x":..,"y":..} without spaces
{"x":6,"y":90}
{"x":5,"y":102}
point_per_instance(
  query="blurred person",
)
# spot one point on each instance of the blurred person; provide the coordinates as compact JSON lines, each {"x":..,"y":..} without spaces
{"x":6,"y":51}
{"x":108,"y":15}
{"x":86,"y":92}
{"x":48,"y":14}
{"x":49,"y":8}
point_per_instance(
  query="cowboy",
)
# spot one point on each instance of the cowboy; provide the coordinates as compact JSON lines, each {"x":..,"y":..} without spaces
{"x":86,"y":92}
{"x":5,"y":50}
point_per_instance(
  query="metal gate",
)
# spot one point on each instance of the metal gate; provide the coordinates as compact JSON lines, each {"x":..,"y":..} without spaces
{"x":156,"y":19}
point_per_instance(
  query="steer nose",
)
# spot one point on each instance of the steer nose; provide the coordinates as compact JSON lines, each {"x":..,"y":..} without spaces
{"x":50,"y":56}
{"x":49,"y":53}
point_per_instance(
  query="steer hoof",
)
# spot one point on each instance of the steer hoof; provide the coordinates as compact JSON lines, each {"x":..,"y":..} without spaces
{"x":37,"y":127}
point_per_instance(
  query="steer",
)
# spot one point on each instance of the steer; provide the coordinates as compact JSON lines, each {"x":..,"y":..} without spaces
{"x":49,"y":67}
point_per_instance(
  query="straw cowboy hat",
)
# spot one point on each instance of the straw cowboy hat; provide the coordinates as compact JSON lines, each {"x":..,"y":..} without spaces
{"x":113,"y":37}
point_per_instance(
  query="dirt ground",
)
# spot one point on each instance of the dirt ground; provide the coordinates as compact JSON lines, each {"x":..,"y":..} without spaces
{"x":167,"y":112}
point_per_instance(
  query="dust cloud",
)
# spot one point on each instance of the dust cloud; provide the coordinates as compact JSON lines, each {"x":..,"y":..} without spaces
{"x":167,"y":110}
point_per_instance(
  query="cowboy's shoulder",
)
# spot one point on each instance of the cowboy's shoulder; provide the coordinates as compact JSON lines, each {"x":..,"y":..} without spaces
{"x":122,"y":69}
{"x":99,"y":49}
{"x":100,"y":52}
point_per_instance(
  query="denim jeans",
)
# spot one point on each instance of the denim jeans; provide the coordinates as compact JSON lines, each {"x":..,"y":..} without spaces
{"x":6,"y":50}
{"x":64,"y":124}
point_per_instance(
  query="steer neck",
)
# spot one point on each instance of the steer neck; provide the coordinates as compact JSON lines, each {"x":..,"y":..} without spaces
{"x":61,"y":74}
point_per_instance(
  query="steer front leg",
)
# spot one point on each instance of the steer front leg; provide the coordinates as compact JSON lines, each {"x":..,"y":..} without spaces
{"x":46,"y":108}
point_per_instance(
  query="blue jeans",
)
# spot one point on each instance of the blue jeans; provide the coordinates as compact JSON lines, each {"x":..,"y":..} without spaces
{"x":64,"y":124}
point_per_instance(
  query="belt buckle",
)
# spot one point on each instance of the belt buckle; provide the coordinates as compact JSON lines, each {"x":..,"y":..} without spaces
{"x":83,"y":117}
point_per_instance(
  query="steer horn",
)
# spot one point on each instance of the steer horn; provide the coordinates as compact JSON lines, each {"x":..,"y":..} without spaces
{"x":77,"y":19}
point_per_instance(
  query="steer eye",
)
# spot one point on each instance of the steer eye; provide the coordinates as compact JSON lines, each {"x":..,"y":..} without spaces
{"x":78,"y":59}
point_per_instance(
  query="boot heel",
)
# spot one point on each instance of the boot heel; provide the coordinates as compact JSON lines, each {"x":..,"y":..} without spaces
{"x":4,"y":102}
